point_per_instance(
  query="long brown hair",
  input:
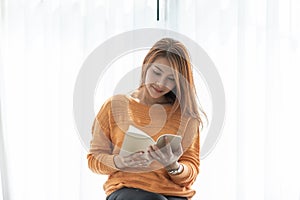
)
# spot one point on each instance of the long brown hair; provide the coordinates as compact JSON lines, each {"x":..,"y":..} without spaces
{"x":183,"y":96}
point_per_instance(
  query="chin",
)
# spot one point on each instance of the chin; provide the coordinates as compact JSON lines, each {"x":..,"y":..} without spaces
{"x":153,"y":94}
{"x":156,"y":96}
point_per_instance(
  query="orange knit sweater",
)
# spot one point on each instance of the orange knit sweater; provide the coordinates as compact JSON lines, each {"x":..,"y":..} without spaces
{"x":108,"y":130}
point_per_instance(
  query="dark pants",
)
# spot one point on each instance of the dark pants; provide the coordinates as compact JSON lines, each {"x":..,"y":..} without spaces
{"x":138,"y":194}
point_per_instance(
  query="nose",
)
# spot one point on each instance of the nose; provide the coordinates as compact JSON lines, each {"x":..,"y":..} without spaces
{"x":160,"y":82}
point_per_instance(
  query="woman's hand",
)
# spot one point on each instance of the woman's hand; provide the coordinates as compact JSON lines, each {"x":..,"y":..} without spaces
{"x":166,"y":156}
{"x":135,"y":160}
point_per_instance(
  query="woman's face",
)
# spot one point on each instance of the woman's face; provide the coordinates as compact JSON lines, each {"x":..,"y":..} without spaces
{"x":159,"y":78}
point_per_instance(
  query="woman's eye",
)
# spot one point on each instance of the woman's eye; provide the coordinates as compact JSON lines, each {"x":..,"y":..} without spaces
{"x":155,"y":72}
{"x":171,"y":79}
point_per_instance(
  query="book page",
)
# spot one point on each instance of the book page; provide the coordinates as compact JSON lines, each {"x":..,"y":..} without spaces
{"x":135,"y":140}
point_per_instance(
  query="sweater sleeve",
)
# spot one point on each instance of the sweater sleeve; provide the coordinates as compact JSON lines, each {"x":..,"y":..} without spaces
{"x":190,"y":158}
{"x":100,"y":158}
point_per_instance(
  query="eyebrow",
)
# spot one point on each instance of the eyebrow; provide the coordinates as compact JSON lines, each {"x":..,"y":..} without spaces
{"x":158,"y":68}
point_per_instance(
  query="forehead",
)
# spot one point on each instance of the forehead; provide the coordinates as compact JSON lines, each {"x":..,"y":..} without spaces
{"x":163,"y":64}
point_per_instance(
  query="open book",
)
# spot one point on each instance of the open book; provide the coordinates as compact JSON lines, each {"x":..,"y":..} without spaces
{"x":137,"y":140}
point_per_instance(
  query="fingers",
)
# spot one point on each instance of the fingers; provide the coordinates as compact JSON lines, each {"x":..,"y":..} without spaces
{"x":134,"y":156}
{"x":157,"y":153}
{"x":165,"y":150}
{"x":168,"y":147}
{"x":135,"y":163}
{"x":179,"y":151}
{"x":176,"y":152}
{"x":136,"y":160}
{"x":164,"y":155}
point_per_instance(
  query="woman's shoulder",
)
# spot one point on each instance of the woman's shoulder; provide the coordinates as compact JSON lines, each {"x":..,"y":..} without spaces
{"x":115,"y":102}
{"x":119,"y":98}
{"x":185,"y":119}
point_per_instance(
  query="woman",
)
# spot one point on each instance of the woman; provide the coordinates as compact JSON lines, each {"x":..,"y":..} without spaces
{"x":165,"y":102}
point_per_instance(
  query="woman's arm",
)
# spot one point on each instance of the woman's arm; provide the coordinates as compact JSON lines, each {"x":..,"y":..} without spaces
{"x":100,"y":158}
{"x":190,"y":159}
{"x":190,"y":162}
{"x":185,"y":160}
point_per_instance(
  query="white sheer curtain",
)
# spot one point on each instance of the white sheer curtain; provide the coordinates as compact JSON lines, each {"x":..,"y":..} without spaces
{"x":253,"y":43}
{"x":43,"y":46}
{"x":255,"y":46}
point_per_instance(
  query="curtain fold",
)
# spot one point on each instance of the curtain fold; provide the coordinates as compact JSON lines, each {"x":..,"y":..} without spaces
{"x":4,"y":191}
{"x":4,"y":179}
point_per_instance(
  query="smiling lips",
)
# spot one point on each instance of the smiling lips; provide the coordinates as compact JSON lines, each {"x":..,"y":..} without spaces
{"x":157,"y":90}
